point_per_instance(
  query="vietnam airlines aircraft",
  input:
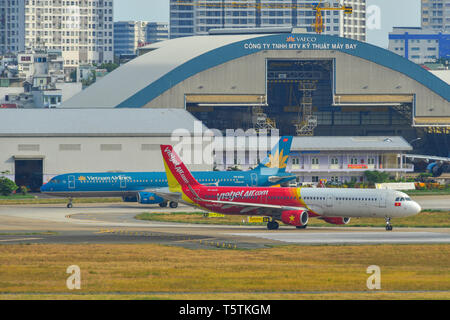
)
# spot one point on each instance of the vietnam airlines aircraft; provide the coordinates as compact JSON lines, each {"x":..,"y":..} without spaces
{"x":271,"y":171}
{"x":292,"y":206}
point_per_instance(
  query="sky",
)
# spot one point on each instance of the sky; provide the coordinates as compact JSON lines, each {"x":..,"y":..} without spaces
{"x":400,"y":13}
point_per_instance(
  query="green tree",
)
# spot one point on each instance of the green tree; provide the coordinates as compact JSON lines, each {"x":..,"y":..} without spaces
{"x":108,"y":66}
{"x":376,"y":176}
{"x":7,"y":186}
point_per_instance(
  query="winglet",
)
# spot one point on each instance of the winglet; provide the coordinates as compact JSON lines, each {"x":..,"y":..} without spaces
{"x":178,"y":175}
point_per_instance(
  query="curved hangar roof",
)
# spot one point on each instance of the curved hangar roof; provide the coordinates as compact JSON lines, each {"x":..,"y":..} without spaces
{"x":175,"y":67}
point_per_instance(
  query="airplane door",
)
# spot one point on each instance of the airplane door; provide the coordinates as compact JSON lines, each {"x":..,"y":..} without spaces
{"x":71,"y":182}
{"x":254,"y":177}
{"x":123,"y":183}
{"x":330,"y":201}
{"x":383,"y":200}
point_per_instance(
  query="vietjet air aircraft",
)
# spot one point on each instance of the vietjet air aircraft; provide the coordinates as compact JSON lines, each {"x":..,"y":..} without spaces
{"x":292,"y":206}
{"x":271,"y":171}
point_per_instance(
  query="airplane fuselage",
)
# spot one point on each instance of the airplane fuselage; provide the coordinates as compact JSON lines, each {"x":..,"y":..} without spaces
{"x":129,"y":184}
{"x":320,"y":202}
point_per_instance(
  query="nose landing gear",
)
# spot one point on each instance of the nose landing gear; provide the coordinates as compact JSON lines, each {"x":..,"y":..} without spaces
{"x":388,"y":224}
{"x":70,"y":205}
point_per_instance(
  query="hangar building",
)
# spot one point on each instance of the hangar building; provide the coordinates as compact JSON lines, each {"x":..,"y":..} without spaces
{"x":302,"y":84}
{"x":36,"y":145}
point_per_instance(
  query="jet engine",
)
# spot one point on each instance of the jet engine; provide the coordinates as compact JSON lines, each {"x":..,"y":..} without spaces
{"x":437,"y":168}
{"x":296,"y":218}
{"x":337,"y":220}
{"x":149,"y":198}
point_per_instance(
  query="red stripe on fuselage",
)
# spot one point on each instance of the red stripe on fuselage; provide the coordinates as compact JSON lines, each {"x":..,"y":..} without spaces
{"x":266,"y":196}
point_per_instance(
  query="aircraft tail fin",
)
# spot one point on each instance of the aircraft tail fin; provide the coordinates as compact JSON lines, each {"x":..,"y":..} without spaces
{"x":278,"y":157}
{"x":178,"y":175}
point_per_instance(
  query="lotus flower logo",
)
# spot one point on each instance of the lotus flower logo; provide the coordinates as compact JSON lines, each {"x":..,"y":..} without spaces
{"x":290,"y":39}
{"x":81,"y":178}
{"x":279,"y":160}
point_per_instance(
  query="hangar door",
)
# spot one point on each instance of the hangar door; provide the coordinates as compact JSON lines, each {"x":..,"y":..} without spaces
{"x":29,"y":173}
{"x":296,"y":91}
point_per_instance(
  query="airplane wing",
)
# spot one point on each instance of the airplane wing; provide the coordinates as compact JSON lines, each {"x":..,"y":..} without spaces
{"x":433,"y":158}
{"x":166,"y":194}
{"x":275,"y":179}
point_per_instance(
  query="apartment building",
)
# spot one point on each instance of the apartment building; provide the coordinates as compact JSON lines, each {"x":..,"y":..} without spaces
{"x":190,"y":19}
{"x":436,"y":15}
{"x":156,"y":32}
{"x":128,"y":35}
{"x":82,"y":30}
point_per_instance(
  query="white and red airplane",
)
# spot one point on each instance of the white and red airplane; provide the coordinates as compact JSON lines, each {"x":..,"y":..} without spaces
{"x":292,"y":206}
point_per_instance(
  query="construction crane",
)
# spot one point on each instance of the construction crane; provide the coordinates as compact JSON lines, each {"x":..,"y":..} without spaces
{"x":318,"y":8}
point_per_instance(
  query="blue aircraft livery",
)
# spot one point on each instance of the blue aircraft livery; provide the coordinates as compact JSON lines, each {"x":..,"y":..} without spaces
{"x":132,"y":186}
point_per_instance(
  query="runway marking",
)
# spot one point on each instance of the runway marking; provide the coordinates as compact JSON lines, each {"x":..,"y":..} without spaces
{"x":21,"y":239}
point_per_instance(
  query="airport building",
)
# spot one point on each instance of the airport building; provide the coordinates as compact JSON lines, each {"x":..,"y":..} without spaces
{"x":301,"y":84}
{"x":331,"y":159}
{"x":36,"y":145}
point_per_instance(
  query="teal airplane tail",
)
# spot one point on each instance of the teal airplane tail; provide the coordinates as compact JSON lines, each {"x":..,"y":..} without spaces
{"x":276,"y":160}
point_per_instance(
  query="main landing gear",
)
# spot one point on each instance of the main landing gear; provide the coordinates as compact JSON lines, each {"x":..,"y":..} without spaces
{"x":302,"y":227}
{"x":273,"y":225}
{"x":388,"y":224}
{"x":163,"y":204}
{"x":70,"y":205}
{"x":171,"y":204}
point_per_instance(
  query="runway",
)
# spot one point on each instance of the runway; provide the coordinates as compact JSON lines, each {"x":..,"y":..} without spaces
{"x":433,"y":202}
{"x":115,"y":223}
{"x":355,"y":237}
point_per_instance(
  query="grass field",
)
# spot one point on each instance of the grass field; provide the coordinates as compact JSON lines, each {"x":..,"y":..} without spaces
{"x":17,"y":197}
{"x":432,"y":192}
{"x":272,"y":273}
{"x":239,"y":296}
{"x":431,"y":219}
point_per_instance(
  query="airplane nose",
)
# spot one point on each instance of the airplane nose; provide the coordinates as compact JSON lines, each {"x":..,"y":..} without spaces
{"x":417,"y":209}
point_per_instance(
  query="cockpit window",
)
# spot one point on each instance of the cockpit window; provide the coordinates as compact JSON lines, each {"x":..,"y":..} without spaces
{"x":408,"y":199}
